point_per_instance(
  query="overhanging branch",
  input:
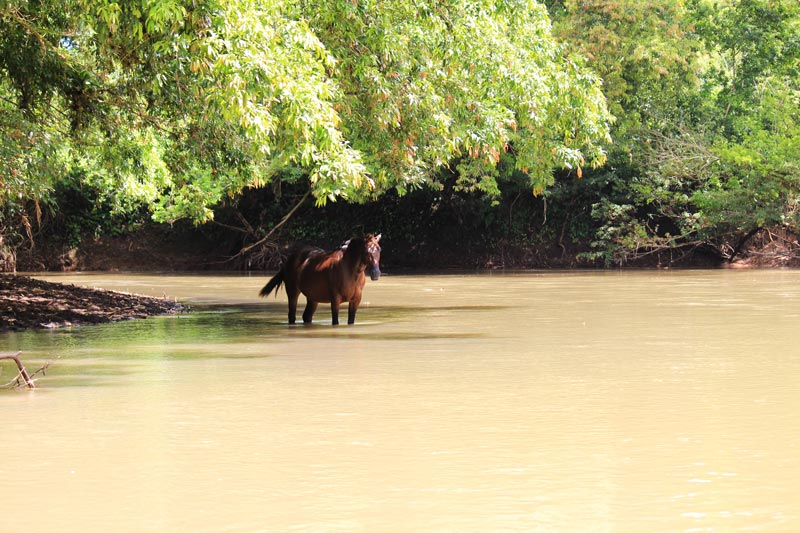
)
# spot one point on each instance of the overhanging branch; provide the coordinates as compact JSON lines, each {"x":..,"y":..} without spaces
{"x":266,"y":237}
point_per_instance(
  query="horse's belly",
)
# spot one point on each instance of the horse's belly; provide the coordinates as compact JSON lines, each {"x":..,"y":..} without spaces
{"x":315,"y":289}
{"x":320,"y":289}
{"x":316,"y":296}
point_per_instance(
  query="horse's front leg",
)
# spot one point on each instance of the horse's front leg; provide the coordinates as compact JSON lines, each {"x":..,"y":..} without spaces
{"x":308,"y":314}
{"x":335,"y":303}
{"x":352,"y":307}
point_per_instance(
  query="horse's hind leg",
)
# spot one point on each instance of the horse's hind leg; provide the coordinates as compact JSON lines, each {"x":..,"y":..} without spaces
{"x":308,"y":314}
{"x":293,"y":295}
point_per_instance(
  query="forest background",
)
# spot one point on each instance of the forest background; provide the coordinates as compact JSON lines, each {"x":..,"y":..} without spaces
{"x":210,"y":134}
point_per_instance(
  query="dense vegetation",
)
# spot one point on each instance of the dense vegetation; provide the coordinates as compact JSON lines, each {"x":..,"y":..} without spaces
{"x":706,"y":145}
{"x":513,"y":131}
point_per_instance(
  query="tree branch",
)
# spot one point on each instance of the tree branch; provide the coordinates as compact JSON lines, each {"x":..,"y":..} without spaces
{"x":22,"y":372}
{"x":283,"y":221}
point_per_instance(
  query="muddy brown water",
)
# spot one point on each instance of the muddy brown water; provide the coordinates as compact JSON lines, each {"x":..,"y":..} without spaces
{"x":600,"y":401}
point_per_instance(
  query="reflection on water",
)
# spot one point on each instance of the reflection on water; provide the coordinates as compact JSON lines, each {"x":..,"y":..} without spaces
{"x":635,"y":401}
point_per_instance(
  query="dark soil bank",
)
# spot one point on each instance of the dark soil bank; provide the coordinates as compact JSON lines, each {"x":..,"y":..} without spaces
{"x":31,"y":303}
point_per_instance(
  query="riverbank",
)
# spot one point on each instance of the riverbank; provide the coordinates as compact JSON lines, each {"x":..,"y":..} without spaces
{"x":157,"y":248}
{"x":27,"y":303}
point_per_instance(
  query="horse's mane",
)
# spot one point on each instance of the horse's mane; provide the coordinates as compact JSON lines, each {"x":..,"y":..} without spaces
{"x":355,"y":242}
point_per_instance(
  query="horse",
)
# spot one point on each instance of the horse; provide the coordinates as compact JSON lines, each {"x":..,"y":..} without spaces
{"x":328,"y":277}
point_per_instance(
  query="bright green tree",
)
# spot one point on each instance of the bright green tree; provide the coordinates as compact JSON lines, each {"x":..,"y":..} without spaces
{"x":752,"y":94}
{"x":641,"y":50}
{"x":707,"y":99}
{"x":181,"y":104}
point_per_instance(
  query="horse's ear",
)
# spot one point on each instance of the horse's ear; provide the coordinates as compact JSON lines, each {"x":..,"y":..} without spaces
{"x":378,"y":237}
{"x":346,"y":244}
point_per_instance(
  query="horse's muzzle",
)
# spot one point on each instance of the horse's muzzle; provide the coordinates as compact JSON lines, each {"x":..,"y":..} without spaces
{"x":375,"y":274}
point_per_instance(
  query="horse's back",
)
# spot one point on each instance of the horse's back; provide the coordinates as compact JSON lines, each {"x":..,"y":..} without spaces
{"x":298,"y":258}
{"x":307,"y":270}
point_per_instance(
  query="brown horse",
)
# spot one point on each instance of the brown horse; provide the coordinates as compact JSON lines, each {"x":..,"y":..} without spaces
{"x":334,"y":277}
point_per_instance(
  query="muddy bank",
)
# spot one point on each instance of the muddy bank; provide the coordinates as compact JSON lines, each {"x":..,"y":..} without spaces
{"x":31,"y":303}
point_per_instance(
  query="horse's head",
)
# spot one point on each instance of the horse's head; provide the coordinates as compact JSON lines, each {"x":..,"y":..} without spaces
{"x":373,"y":255}
{"x":369,"y":253}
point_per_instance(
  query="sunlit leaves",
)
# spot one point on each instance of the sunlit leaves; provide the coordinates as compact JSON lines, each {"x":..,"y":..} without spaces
{"x":432,"y":82}
{"x":641,"y":50}
{"x":181,"y":105}
{"x":706,"y":93}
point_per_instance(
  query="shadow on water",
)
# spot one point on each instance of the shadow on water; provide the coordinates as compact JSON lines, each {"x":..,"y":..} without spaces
{"x":370,"y":319}
{"x":412,"y":310}
{"x":326,"y":331}
{"x":94,"y":355}
{"x":219,"y":324}
{"x":64,"y":374}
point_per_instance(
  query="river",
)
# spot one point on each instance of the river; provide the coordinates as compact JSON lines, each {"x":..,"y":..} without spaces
{"x":580,"y":401}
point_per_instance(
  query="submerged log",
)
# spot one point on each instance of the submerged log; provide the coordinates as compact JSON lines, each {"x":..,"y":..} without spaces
{"x":22,"y":372}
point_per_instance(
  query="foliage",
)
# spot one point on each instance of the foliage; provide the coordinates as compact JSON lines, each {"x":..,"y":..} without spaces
{"x":641,"y":50}
{"x":173,"y":104}
{"x":180,"y":105}
{"x":426,"y":83}
{"x":708,"y":132}
{"x":189,"y":108}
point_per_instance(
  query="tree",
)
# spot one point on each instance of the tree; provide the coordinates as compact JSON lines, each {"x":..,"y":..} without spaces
{"x":179,"y":105}
{"x":709,"y":134}
{"x":427,"y":83}
{"x":172,"y":104}
{"x":643,"y":53}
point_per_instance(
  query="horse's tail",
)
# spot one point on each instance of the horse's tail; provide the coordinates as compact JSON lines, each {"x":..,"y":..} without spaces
{"x":273,"y":284}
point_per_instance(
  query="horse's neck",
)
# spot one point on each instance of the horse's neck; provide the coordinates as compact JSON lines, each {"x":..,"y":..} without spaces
{"x":351,"y":260}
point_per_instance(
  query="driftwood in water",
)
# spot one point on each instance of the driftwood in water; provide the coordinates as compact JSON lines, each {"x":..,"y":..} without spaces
{"x":22,"y":372}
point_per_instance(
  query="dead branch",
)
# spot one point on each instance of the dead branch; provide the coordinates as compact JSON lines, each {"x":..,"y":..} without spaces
{"x":266,"y":238}
{"x":685,"y":153}
{"x":22,"y":372}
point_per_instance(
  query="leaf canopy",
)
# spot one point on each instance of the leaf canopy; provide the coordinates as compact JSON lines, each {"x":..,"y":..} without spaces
{"x":182,"y":104}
